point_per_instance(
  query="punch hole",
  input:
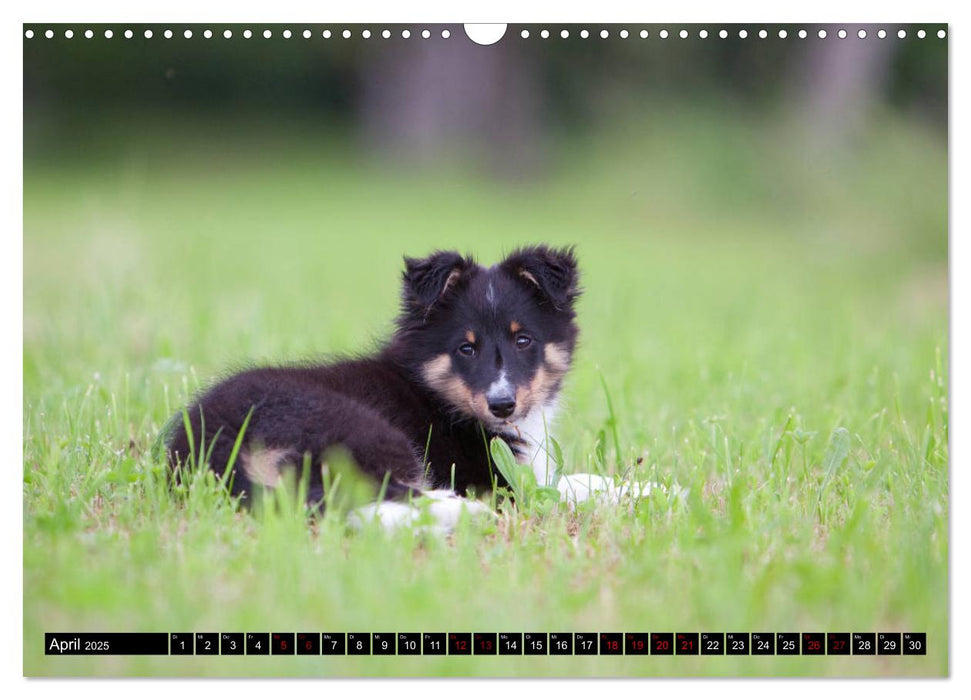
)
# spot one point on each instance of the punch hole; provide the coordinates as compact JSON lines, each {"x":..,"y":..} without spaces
{"x":624,"y":34}
{"x":49,"y":34}
{"x":485,"y":34}
{"x":187,"y":33}
{"x":267,"y":33}
{"x":683,"y":34}
{"x":841,"y":33}
{"x":604,"y":33}
{"x":148,"y":33}
{"x":69,"y":34}
{"x":902,"y":34}
{"x":29,"y":34}
{"x":129,"y":33}
{"x":425,"y":34}
{"x":545,"y":34}
{"x":167,"y":34}
{"x":109,"y":33}
{"x":446,"y":34}
{"x":763,"y":34}
{"x":941,"y":34}
{"x":386,"y":34}
{"x":703,"y":34}
{"x":921,"y":33}
{"x":803,"y":34}
{"x":405,"y":34}
{"x":644,"y":34}
{"x":287,"y":34}
{"x":564,"y":34}
{"x":366,"y":33}
{"x":861,"y":33}
{"x":88,"y":34}
{"x":723,"y":34}
{"x":882,"y":34}
{"x":228,"y":34}
{"x":306,"y":34}
{"x":346,"y":34}
{"x":584,"y":33}
{"x":663,"y":34}
{"x":326,"y":34}
{"x":207,"y":34}
{"x":742,"y":34}
{"x":247,"y":34}
{"x":821,"y":34}
{"x":783,"y":33}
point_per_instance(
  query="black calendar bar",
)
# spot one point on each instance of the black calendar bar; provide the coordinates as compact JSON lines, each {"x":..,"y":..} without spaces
{"x":632,"y":644}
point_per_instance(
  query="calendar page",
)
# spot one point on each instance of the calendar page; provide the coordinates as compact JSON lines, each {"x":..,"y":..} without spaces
{"x":511,"y":350}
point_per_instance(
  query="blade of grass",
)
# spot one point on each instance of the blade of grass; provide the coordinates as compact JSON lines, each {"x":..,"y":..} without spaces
{"x":612,"y":421}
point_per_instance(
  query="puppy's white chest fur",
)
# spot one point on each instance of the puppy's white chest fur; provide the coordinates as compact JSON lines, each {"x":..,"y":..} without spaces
{"x":535,"y":430}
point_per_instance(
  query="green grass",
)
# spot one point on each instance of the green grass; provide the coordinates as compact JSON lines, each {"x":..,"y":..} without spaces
{"x":770,"y":323}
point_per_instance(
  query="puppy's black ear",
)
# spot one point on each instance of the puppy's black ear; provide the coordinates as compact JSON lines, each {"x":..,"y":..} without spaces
{"x":552,"y":272}
{"x":429,"y":279}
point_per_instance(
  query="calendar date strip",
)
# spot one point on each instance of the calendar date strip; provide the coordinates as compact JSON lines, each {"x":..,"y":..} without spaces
{"x":486,"y":643}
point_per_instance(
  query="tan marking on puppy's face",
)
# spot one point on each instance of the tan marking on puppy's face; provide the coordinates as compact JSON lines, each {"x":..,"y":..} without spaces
{"x":470,"y":336}
{"x":437,"y":370}
{"x":515,"y":327}
{"x":557,"y":358}
{"x":438,"y":375}
{"x":542,"y":387}
{"x":538,"y":392}
{"x":263,"y":466}
{"x":531,"y":394}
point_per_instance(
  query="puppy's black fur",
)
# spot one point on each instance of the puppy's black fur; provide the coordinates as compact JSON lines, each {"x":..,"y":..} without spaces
{"x":477,"y":352}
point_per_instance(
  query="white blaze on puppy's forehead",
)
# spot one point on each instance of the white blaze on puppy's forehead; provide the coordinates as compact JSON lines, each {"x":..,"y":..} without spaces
{"x":491,"y":294}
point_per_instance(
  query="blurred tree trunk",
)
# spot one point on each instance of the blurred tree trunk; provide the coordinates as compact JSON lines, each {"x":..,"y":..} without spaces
{"x":432,"y":99}
{"x":837,"y":81}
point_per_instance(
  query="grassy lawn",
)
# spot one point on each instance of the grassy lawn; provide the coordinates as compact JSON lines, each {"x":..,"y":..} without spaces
{"x":770,"y":323}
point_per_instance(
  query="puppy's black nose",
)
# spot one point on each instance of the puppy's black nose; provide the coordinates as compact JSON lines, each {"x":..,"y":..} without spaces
{"x":502,"y":407}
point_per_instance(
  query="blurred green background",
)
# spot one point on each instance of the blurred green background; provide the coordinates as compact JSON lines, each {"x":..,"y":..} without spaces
{"x":762,"y":230}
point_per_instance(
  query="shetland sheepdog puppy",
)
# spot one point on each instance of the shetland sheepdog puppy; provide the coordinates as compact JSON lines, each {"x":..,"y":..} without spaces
{"x":477,"y":352}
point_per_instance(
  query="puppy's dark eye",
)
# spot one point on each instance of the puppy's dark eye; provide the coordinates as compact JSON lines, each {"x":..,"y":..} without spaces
{"x":523,"y":341}
{"x":467,"y":349}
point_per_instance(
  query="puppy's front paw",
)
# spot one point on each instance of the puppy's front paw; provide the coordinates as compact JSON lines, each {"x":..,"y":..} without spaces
{"x":579,"y":488}
{"x":444,"y":507}
{"x":390,"y":515}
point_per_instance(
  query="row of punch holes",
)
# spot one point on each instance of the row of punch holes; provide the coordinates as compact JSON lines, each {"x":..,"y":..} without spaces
{"x":525,"y":34}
